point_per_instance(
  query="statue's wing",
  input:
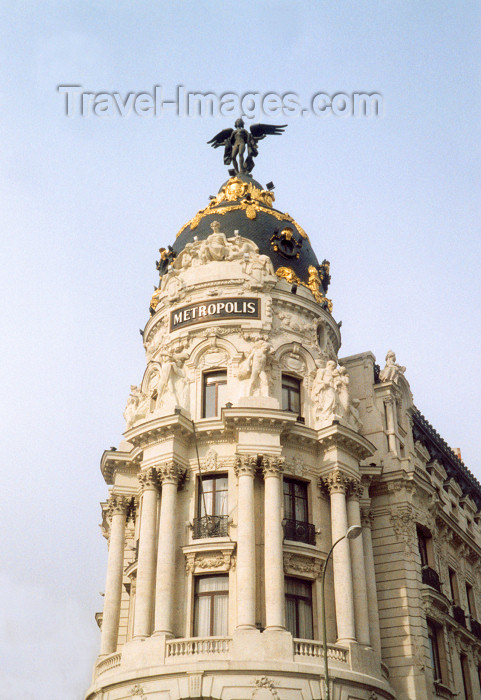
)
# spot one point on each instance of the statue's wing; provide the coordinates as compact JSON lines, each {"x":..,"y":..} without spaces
{"x":260,"y":131}
{"x":221,"y":139}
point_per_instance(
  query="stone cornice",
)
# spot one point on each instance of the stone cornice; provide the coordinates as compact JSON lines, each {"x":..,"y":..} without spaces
{"x":112,"y":460}
{"x":150,"y":432}
{"x":342,"y":438}
{"x":271,"y":420}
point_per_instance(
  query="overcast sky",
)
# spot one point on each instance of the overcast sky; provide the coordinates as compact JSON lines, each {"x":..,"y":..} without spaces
{"x":392,"y":202}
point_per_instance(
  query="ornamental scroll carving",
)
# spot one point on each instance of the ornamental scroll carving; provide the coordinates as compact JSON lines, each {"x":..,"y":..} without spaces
{"x":298,"y":564}
{"x":148,"y":479}
{"x":337,"y":482}
{"x":117,"y":505}
{"x":220,"y":560}
{"x":246,"y":464}
{"x":272,"y":466}
{"x":404,"y":526}
{"x":171,"y":472}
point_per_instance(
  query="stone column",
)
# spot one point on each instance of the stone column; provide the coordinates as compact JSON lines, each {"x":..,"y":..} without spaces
{"x":246,"y":563}
{"x":144,"y":597}
{"x":337,"y":483}
{"x":390,"y":424}
{"x":358,"y":567}
{"x":117,"y":512}
{"x":169,"y":474}
{"x":273,"y":547}
{"x":374,"y":630}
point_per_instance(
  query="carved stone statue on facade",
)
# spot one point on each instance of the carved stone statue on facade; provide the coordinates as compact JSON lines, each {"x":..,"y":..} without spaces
{"x":171,"y":386}
{"x":254,"y":369}
{"x":137,"y":406}
{"x":330,"y":394}
{"x":392,"y":371}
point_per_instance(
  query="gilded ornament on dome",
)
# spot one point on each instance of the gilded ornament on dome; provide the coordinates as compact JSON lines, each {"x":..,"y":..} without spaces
{"x":313,"y":283}
{"x":285,"y":243}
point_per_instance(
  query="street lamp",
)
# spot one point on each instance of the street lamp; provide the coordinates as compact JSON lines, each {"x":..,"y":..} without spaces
{"x":351,"y":534}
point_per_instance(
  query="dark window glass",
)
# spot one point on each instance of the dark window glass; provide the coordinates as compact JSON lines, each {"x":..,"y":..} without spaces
{"x":214,"y":393}
{"x":470,"y":597}
{"x":434,"y":651}
{"x":291,"y":394}
{"x":453,"y":585}
{"x":212,"y":496}
{"x":295,"y":500}
{"x":466,"y":678}
{"x":423,"y":550}
{"x":211,"y":606}
{"x":299,"y":608}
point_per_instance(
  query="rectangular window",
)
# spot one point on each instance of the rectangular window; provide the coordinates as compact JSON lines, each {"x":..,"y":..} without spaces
{"x":211,"y":606}
{"x":299,"y":608}
{"x":423,"y":548}
{"x":291,"y":394}
{"x":212,"y":516}
{"x":453,"y":585}
{"x":214,"y":395}
{"x":295,"y":500}
{"x":468,"y":694}
{"x":434,"y":651}
{"x":471,"y":603}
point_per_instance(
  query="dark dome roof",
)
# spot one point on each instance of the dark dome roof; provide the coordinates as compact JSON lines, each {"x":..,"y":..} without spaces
{"x":243,"y":205}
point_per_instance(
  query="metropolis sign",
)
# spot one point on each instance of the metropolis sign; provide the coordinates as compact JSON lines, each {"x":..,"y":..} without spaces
{"x":235,"y":307}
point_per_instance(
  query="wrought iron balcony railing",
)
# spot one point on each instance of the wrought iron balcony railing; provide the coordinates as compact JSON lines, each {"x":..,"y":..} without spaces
{"x":459,"y":615}
{"x":475,"y":628}
{"x":299,"y":531}
{"x":431,"y":578}
{"x":210,"y":526}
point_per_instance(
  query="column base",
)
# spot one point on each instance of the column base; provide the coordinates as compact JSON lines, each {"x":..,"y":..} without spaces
{"x":246,"y":627}
{"x":163,"y":633}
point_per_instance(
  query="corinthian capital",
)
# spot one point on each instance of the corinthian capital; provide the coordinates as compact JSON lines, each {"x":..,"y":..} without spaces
{"x":170,"y":472}
{"x":148,"y":479}
{"x":117,"y":505}
{"x":272,"y":466}
{"x":356,"y":490}
{"x":337,"y":482}
{"x":246,"y":464}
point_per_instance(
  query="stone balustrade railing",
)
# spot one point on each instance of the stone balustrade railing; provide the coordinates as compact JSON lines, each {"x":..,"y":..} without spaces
{"x":197,"y":646}
{"x":108,"y":662}
{"x":312,"y":649}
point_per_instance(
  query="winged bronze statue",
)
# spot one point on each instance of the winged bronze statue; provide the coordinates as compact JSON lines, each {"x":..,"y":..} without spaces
{"x":235,"y":142}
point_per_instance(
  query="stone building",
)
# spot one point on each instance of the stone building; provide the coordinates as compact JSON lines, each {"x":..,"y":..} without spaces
{"x":249,"y":449}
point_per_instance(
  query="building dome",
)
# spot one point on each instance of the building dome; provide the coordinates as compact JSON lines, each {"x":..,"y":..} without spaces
{"x":243,"y":205}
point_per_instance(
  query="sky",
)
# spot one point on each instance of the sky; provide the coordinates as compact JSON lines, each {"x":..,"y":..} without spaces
{"x":393,"y":202}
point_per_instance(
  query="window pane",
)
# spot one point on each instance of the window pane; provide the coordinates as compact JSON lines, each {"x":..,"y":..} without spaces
{"x":222,"y":396}
{"x":209,"y":400}
{"x":305,"y":620}
{"x":202,"y":616}
{"x":220,"y":603}
{"x":295,"y":401}
{"x":285,"y":399}
{"x":212,"y":583}
{"x":291,"y":616}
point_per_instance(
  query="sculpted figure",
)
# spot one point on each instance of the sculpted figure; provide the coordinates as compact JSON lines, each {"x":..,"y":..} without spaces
{"x":392,"y":371}
{"x":171,"y":386}
{"x":215,"y":246}
{"x":256,"y":364}
{"x":324,"y":391}
{"x":131,"y":408}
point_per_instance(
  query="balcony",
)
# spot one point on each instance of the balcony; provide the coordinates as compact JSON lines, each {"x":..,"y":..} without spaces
{"x":459,"y":615}
{"x":430,"y":578}
{"x":298,"y":531}
{"x":475,"y":628}
{"x":210,"y":526}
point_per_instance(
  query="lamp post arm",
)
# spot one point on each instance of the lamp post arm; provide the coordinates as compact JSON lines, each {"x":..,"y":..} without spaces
{"x":324,"y":630}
